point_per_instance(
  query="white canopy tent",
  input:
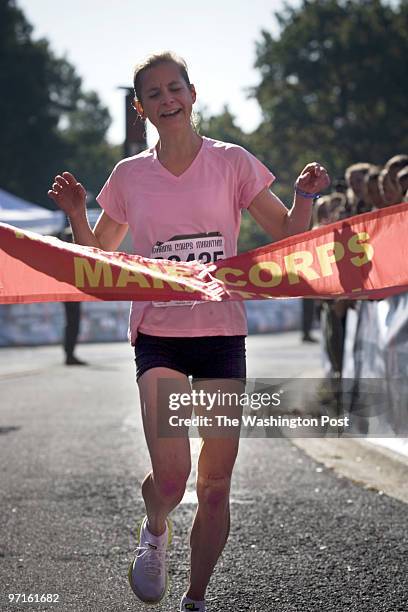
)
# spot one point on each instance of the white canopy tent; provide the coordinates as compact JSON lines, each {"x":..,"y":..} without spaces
{"x":24,"y":215}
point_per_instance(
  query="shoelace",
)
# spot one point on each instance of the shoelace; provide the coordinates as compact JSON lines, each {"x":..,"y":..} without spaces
{"x":154,"y":558}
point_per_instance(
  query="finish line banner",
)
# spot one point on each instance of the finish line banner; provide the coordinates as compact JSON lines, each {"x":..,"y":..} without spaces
{"x":362,"y":257}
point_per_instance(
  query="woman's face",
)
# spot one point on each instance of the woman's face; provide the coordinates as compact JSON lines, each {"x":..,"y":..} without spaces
{"x":374,"y":194}
{"x":167,"y":100}
{"x":357,"y":183}
{"x":390,"y":191}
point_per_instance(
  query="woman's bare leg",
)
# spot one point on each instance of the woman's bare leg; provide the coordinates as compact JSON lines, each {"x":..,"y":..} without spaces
{"x":164,"y":486}
{"x":211,"y":524}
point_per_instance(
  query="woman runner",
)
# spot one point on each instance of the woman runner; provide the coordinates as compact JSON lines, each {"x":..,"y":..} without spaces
{"x":182,"y":199}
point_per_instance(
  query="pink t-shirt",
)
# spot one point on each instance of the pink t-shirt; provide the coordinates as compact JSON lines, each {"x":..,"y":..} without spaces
{"x":193,"y":216}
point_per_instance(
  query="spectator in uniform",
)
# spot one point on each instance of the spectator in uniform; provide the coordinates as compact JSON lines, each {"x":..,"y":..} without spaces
{"x":337,"y":207}
{"x":333,"y":312}
{"x":355,"y":175}
{"x":395,"y":164}
{"x":402,"y":179}
{"x":372,"y":192}
{"x":389,"y":188}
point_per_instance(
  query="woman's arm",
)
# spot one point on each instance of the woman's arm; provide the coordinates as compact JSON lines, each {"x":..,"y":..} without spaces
{"x":70,"y":196}
{"x":273,"y":216}
{"x":109,"y":232}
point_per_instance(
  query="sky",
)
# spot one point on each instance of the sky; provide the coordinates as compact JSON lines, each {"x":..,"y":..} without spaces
{"x":104,"y":39}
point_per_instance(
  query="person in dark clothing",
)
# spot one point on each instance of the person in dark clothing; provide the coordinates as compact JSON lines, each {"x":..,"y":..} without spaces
{"x":308,"y":309}
{"x":72,"y":318}
{"x":332,"y":313}
{"x":333,"y":316}
{"x":355,"y":179}
{"x":71,"y":332}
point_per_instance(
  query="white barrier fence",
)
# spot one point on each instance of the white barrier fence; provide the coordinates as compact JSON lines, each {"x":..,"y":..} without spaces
{"x":35,"y":324}
{"x":376,"y":347}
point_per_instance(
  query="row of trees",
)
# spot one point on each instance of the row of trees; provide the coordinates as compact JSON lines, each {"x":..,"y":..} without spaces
{"x":47,"y":120}
{"x":332,"y":87}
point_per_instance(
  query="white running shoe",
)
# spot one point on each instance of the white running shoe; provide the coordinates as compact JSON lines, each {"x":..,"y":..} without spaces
{"x":191,"y":605}
{"x":147,"y":572}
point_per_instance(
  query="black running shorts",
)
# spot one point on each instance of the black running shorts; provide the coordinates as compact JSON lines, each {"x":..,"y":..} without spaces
{"x":199,"y":357}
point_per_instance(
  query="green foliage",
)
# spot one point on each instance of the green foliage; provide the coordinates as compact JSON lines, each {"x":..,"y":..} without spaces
{"x":89,"y":156}
{"x":223,"y":127}
{"x":333,"y":89}
{"x":47,"y":122}
{"x":251,"y":235}
{"x":333,"y":85}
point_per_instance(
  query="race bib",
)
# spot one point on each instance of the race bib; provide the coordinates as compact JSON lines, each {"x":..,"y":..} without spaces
{"x":205,"y":248}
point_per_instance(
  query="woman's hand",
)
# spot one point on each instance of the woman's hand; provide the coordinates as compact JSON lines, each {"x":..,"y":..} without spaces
{"x":68,"y":194}
{"x":313,"y":178}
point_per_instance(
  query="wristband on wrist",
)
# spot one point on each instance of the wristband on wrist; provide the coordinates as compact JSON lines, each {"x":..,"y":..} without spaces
{"x":306,"y":194}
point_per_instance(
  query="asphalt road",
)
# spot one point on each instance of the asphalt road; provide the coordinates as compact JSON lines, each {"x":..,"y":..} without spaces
{"x":304,"y":537}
